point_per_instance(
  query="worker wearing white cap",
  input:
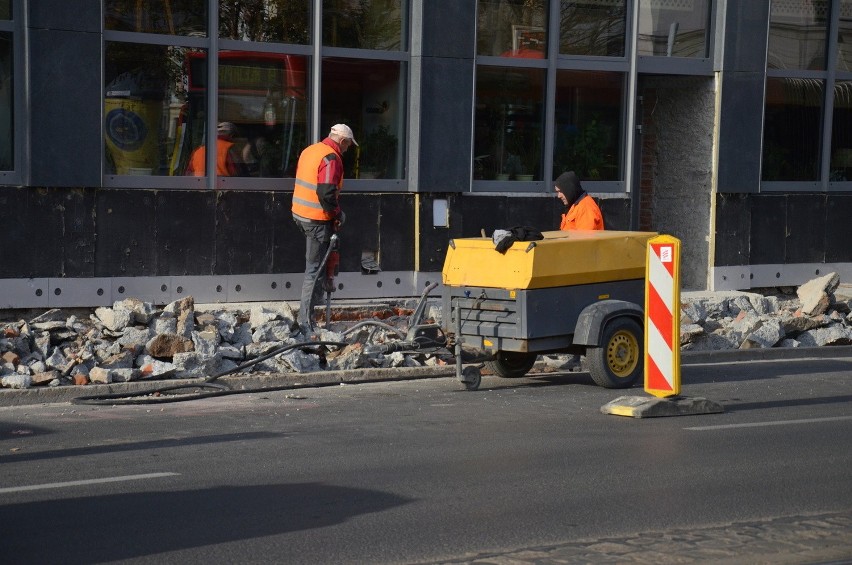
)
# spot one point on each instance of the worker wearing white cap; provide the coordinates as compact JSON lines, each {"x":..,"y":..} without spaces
{"x":316,"y":210}
{"x":228,"y":162}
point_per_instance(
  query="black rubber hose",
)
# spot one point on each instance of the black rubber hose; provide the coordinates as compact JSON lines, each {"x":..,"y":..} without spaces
{"x":144,"y":397}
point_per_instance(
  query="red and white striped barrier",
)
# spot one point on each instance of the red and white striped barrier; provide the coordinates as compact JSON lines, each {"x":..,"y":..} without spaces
{"x":662,"y":317}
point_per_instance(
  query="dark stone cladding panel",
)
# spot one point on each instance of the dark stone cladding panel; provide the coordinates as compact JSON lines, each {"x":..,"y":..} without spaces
{"x":244,"y":232}
{"x":33,"y":230}
{"x":837,"y":228}
{"x":773,"y":228}
{"x":81,"y":233}
{"x":126,"y":244}
{"x":185,"y":222}
{"x":733,"y":221}
{"x":768,"y":232}
{"x":806,"y":224}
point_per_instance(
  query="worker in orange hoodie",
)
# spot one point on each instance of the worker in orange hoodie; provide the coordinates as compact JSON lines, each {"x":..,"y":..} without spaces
{"x":228,"y":163}
{"x":581,"y":210}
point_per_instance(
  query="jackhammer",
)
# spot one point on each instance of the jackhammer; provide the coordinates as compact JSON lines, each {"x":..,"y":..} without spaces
{"x":332,"y":266}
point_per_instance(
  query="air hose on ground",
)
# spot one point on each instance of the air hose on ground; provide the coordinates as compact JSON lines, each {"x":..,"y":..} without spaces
{"x":154,"y":396}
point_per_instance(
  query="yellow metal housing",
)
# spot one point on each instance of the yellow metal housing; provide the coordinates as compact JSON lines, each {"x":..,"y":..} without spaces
{"x":562,"y":258}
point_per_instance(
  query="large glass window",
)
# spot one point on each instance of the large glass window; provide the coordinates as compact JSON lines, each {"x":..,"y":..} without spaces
{"x":264,"y":97}
{"x":588,"y":124}
{"x":282,"y":21}
{"x":509,"y":123}
{"x":363,"y":24}
{"x":154,"y":107}
{"x":792,"y":129}
{"x":673,"y":28}
{"x":841,"y":134}
{"x":6,"y":103}
{"x":592,"y":28}
{"x":844,"y":38}
{"x":797,"y":34}
{"x":512,"y":28}
{"x":370,"y":97}
{"x":174,"y":17}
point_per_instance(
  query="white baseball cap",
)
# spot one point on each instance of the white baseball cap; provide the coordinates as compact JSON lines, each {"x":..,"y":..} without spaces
{"x":344,"y":131}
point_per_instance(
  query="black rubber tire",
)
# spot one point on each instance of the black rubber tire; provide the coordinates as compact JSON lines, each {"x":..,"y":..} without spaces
{"x":511,"y":365}
{"x":472,"y":378}
{"x":619,"y":362}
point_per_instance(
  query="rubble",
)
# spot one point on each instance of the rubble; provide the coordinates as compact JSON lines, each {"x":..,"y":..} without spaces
{"x":133,"y":340}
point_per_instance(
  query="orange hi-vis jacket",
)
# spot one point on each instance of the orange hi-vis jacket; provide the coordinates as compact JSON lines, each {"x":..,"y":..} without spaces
{"x":583,"y":215}
{"x":306,"y":202}
{"x":224,"y":167}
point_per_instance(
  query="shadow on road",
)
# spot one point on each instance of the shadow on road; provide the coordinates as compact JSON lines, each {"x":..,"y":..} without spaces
{"x":135,"y":446}
{"x":98,"y":529}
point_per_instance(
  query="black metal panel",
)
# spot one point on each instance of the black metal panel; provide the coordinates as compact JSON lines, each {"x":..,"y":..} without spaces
{"x":244,"y":232}
{"x":126,"y":227}
{"x":288,"y":253}
{"x":449,"y":29}
{"x":445,"y":134}
{"x":745,"y":26}
{"x":79,"y":231}
{"x":65,"y":108}
{"x":31,"y":231}
{"x":838,"y":232}
{"x":65,"y":15}
{"x":740,"y":132}
{"x":616,"y":213}
{"x":769,"y":224}
{"x":186,"y":223}
{"x":397,"y":232}
{"x":361,"y":233}
{"x":805,"y":228}
{"x":733,"y":224}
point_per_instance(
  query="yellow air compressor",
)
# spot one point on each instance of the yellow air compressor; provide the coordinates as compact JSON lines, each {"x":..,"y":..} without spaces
{"x":577,"y":292}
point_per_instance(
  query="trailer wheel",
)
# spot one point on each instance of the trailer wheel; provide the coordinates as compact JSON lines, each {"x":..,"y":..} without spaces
{"x":511,"y":365}
{"x":471,"y":377}
{"x":618,"y":362}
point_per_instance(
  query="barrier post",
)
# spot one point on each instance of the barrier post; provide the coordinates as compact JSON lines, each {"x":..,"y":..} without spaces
{"x":662,"y":341}
{"x":662,"y":317}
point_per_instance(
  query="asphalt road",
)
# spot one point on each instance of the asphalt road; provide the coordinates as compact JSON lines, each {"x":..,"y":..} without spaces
{"x":520,"y":471}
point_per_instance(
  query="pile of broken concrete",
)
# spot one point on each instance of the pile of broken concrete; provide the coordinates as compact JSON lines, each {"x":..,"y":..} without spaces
{"x":814,"y":315}
{"x":134,"y":340}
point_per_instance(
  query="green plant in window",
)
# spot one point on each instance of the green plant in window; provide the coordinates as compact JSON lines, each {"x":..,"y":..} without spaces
{"x":587,"y":153}
{"x":377,"y":152}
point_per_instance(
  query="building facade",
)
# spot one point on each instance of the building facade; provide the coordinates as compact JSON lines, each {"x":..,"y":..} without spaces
{"x":725,"y":123}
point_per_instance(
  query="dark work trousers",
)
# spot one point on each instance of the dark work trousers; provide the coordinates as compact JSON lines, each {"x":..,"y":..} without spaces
{"x":317,"y":236}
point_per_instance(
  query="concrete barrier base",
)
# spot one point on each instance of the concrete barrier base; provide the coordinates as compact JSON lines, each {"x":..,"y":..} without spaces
{"x":651,"y":407}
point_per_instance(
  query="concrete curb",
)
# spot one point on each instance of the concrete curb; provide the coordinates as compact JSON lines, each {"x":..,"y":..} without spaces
{"x":261,"y":382}
{"x":768,"y":354}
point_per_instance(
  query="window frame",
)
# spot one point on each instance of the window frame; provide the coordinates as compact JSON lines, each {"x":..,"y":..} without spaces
{"x":315,"y":52}
{"x":829,"y":76}
{"x":16,"y":27}
{"x":555,"y":61}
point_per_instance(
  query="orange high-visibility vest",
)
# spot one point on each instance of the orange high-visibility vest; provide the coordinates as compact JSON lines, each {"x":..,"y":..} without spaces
{"x":305,"y":199}
{"x":196,"y":162}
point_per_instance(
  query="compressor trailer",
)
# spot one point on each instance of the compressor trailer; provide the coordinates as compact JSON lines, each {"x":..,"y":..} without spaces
{"x":576,"y":292}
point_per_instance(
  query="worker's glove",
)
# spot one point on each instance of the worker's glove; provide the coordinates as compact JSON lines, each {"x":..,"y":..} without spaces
{"x":339,"y":221}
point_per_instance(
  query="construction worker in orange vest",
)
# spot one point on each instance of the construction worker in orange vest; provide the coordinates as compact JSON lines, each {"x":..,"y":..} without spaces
{"x":581,"y":212}
{"x":316,"y":211}
{"x":228,"y":163}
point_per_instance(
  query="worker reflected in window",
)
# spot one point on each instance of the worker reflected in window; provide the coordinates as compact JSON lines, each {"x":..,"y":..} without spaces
{"x":581,"y":210}
{"x":228,"y":161}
